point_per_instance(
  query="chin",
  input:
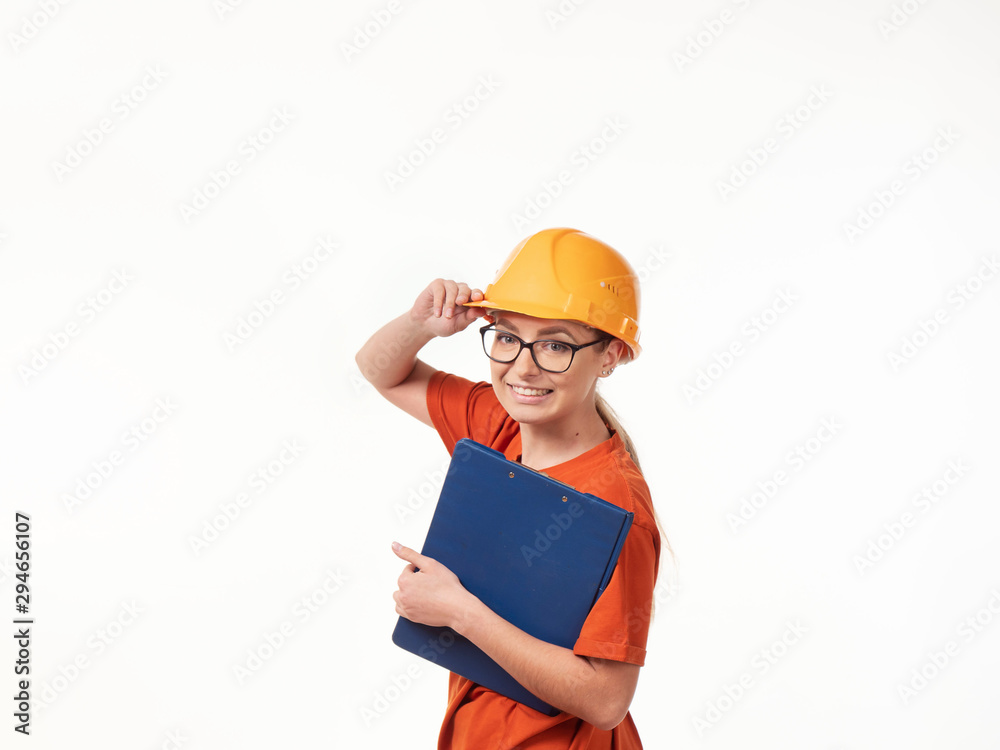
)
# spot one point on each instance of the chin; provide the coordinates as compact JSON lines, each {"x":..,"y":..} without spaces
{"x":525,"y":413}
{"x":525,"y":416}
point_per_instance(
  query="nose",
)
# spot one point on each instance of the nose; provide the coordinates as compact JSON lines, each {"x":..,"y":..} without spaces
{"x":525,"y":363}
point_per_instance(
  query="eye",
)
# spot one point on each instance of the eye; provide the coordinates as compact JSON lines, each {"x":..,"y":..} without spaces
{"x":556,"y":347}
{"x":504,"y":338}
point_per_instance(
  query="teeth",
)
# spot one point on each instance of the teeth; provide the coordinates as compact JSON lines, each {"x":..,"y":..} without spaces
{"x":529,"y":391}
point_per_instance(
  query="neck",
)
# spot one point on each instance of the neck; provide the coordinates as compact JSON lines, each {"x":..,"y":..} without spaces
{"x":552,"y":443}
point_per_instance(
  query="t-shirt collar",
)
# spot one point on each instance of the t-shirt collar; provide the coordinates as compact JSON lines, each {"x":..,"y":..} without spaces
{"x":573,"y":465}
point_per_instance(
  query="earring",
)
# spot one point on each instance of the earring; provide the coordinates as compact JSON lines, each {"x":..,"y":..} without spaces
{"x":607,"y":372}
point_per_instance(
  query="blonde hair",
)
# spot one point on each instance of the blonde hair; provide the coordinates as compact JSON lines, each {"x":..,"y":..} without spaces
{"x":612,"y":420}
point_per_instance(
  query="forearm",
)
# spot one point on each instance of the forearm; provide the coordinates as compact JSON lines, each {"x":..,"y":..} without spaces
{"x":555,"y":674}
{"x":388,"y":357}
{"x":598,"y":691}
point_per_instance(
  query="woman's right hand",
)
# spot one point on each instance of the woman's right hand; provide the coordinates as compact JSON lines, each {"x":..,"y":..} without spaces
{"x":439,"y":307}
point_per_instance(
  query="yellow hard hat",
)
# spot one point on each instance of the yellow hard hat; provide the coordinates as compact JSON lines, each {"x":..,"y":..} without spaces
{"x":568,"y":275}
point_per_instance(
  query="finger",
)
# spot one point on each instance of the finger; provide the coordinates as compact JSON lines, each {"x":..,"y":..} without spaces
{"x":408,"y":571}
{"x":464,"y":294}
{"x":449,"y":299}
{"x":438,"y":294}
{"x":410,"y":555}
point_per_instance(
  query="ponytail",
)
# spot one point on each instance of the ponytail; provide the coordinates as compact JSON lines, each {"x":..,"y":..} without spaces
{"x":608,"y":414}
{"x":612,"y":420}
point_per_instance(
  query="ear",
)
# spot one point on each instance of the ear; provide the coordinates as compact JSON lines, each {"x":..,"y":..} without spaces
{"x":617,"y":353}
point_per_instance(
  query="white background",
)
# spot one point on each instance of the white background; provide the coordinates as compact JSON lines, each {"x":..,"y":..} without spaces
{"x":697,"y":90}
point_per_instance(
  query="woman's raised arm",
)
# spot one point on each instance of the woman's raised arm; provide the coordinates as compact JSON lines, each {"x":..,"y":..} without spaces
{"x":388,"y":360}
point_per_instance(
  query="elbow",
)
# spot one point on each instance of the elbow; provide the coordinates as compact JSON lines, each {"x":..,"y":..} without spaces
{"x":607,"y":724}
{"x":609,"y":701}
{"x":609,"y":696}
{"x":609,"y":714}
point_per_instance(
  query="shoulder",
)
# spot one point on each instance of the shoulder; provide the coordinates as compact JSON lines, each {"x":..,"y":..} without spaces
{"x":462,"y":408}
{"x":453,"y":392}
{"x":455,"y":386}
{"x":618,"y":480}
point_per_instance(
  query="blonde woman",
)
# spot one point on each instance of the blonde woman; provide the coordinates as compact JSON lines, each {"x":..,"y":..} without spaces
{"x":561,"y":315}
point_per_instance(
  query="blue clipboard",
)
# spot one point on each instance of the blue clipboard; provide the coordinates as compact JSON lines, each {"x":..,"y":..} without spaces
{"x":534,"y":550}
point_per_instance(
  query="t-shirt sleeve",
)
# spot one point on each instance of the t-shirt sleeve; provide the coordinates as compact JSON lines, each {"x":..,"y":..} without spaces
{"x":460,"y":408}
{"x":618,"y":624}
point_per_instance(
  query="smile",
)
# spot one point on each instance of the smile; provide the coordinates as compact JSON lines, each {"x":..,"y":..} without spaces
{"x":529,"y":392}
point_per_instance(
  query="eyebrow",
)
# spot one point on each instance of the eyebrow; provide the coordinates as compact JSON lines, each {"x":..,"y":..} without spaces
{"x":543,"y":332}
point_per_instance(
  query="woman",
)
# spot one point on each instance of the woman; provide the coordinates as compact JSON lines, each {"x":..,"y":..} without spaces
{"x":563,"y":313}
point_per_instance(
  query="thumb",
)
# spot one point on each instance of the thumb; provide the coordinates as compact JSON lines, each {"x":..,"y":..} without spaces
{"x":471,"y":313}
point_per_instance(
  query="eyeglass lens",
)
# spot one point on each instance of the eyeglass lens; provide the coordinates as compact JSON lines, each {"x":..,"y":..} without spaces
{"x":549,"y":355}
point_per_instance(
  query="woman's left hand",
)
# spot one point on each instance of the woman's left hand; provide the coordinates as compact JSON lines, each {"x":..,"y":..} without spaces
{"x":432,"y":595}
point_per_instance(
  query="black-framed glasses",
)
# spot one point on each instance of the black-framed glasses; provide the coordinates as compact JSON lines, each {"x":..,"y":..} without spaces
{"x":550,"y":355}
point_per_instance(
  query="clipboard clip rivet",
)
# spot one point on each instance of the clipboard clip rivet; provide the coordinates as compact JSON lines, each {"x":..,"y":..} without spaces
{"x":511,"y":475}
{"x":564,"y":498}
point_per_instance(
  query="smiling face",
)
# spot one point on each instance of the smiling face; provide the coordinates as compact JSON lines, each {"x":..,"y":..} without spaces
{"x":534,"y":396}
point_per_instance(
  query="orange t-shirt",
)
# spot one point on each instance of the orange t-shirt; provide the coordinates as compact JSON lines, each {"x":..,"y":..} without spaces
{"x":478,"y":718}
